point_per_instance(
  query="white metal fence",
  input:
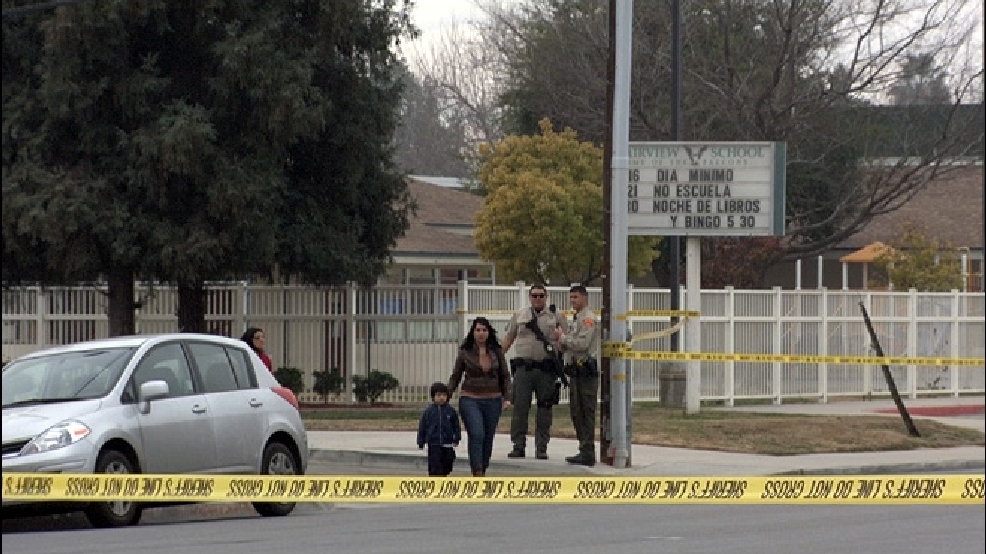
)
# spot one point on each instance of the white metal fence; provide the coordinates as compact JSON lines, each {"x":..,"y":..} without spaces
{"x":413,"y":332}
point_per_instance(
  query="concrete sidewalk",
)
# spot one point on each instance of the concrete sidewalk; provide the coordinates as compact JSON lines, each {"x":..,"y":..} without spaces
{"x":398,"y":449}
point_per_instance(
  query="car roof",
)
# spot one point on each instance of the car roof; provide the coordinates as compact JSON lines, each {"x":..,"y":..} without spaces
{"x":134,"y":341}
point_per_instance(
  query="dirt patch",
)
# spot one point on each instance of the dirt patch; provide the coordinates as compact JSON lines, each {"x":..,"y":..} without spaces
{"x":938,"y":411}
{"x":316,"y":406}
{"x":754,"y":433}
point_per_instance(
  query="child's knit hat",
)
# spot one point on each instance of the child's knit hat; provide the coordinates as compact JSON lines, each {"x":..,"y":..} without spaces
{"x":437,"y":388}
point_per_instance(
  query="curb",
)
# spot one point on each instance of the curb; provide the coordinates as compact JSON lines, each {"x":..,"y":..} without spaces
{"x":417,"y":463}
{"x":420,"y":464}
{"x":901,"y":468}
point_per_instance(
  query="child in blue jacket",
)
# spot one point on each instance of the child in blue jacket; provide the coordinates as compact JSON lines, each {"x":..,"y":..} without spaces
{"x":439,"y":429}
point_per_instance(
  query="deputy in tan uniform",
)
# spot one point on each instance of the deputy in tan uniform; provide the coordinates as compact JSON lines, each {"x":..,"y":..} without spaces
{"x":579,"y":344}
{"x":534,"y":371}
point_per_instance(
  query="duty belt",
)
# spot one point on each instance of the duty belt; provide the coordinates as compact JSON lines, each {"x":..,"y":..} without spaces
{"x":534,"y":364}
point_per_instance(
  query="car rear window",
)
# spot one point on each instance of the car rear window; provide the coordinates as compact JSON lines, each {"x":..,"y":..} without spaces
{"x":222,"y":368}
{"x":245,"y":377}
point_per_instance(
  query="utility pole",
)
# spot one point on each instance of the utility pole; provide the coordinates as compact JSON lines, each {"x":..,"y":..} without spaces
{"x":674,"y":263}
{"x":605,"y":406}
{"x":615,"y":330}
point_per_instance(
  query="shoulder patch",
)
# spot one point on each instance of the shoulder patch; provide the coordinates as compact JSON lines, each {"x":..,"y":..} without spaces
{"x":588,"y":322}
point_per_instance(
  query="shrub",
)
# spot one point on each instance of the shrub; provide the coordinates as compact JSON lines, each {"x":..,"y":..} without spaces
{"x":918,"y":260}
{"x":290,"y":377}
{"x":370,"y":387}
{"x":328,"y":382}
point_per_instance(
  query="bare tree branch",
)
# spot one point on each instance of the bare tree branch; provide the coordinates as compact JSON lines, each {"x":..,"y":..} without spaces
{"x":812,"y":73}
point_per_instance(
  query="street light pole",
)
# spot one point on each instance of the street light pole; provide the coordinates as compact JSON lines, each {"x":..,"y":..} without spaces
{"x":674,"y":269}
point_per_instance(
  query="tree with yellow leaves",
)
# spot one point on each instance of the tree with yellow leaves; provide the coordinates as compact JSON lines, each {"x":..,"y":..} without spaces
{"x":917,"y":261}
{"x":542,"y":219}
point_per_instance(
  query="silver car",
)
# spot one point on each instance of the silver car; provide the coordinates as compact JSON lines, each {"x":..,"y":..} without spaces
{"x":175,"y":403}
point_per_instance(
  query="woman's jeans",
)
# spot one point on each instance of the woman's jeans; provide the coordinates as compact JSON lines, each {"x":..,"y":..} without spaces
{"x":480,"y":416}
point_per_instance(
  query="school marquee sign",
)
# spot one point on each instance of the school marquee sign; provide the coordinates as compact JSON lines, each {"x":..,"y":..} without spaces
{"x":706,"y":188}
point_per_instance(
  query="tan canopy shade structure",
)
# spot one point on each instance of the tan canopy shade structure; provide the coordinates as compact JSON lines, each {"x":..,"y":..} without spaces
{"x":865,"y":255}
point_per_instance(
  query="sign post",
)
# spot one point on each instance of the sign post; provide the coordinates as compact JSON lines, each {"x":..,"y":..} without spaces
{"x":704,"y":189}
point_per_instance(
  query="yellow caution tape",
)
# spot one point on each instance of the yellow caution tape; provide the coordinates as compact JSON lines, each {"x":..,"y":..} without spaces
{"x":621,"y":317}
{"x":569,"y":313}
{"x":615,"y":347}
{"x":876,"y":489}
{"x":660,"y":334}
{"x":622,"y":350}
{"x":658,"y":313}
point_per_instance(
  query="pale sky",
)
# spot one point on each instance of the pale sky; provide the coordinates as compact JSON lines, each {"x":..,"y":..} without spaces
{"x":431,"y":15}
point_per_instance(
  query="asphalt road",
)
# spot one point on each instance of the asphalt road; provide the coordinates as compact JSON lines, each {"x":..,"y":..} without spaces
{"x":205,"y":512}
{"x":439,"y":529}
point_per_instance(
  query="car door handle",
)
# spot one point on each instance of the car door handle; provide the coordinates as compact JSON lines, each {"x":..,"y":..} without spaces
{"x":198,"y":409}
{"x":255,"y":403}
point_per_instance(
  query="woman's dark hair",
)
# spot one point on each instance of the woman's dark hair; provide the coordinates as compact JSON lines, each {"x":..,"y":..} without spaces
{"x":491,"y":342}
{"x":248,"y":336}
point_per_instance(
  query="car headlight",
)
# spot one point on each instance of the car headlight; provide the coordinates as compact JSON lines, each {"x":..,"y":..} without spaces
{"x":57,"y":436}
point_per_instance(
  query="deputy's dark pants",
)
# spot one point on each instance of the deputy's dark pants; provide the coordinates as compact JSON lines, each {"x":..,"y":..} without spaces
{"x":532,"y":384}
{"x":583,"y":397}
{"x":440,"y":460}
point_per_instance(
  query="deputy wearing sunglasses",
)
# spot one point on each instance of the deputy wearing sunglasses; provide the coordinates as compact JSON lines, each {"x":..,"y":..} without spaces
{"x":534,"y":372}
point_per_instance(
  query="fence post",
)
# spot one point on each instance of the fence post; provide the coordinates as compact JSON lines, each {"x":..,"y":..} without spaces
{"x":778,"y":335}
{"x":42,"y":328}
{"x":350,"y":339}
{"x":867,"y":368}
{"x":521,"y":294}
{"x":463,"y":307}
{"x":629,"y":366}
{"x":912,"y":341}
{"x":285,"y":326}
{"x":730,"y":345}
{"x":630,"y":334}
{"x":137,"y":309}
{"x":953,"y":344}
{"x":823,"y":348}
{"x":245,"y":312}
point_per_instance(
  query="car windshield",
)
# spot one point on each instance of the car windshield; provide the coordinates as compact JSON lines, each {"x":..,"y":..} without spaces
{"x":63,"y":377}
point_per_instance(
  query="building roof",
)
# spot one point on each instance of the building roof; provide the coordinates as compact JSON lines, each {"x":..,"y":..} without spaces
{"x":447,"y":182}
{"x":443,"y":223}
{"x":951,"y":209}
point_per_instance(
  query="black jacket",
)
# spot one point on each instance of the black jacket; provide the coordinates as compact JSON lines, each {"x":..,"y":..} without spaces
{"x":439,"y":425}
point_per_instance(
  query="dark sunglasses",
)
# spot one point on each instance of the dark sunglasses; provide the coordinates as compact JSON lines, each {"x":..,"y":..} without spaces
{"x":537,"y":295}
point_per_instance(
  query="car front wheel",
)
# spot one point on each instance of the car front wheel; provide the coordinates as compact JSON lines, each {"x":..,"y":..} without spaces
{"x":277,"y":460}
{"x":117,"y":513}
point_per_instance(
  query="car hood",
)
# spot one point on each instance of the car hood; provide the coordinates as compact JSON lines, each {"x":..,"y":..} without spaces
{"x":26,"y":422}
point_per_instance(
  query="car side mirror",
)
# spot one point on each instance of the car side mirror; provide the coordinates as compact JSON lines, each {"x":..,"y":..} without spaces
{"x":152,"y":390}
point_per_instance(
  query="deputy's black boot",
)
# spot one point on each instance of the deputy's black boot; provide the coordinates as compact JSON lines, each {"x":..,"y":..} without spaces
{"x":582,"y":460}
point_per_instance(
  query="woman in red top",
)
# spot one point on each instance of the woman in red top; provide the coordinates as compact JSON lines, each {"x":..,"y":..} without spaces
{"x":254,"y":336}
